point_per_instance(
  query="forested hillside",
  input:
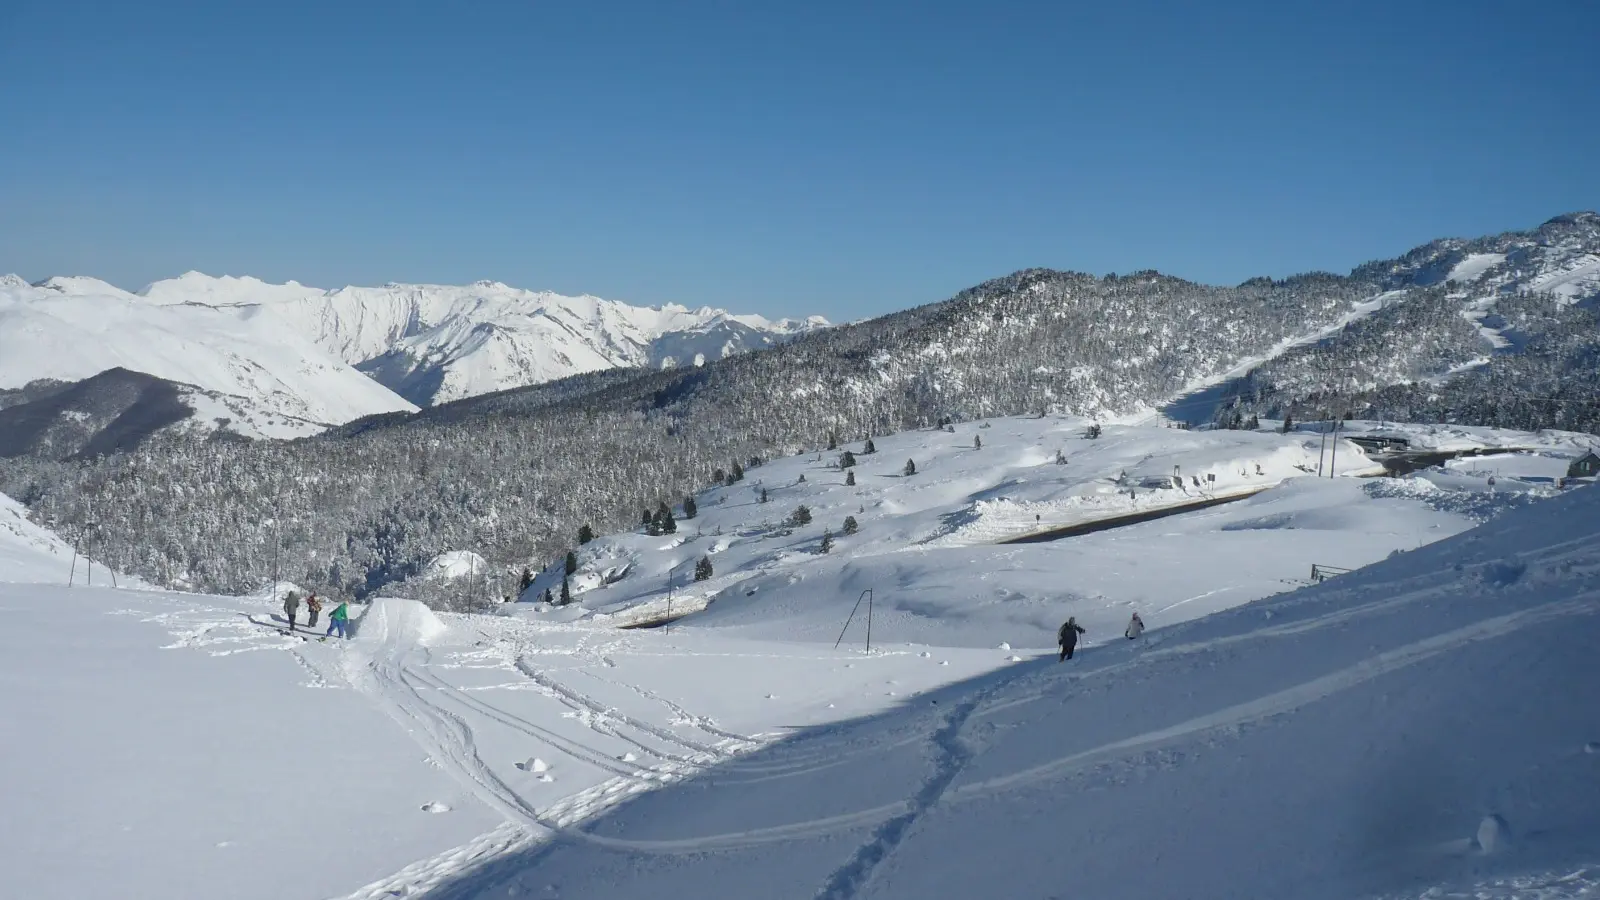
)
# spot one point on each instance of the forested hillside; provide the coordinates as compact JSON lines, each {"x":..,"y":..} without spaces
{"x":513,"y":475}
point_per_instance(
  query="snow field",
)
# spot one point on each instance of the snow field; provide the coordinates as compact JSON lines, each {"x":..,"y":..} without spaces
{"x":740,"y":753}
{"x":1340,"y":742}
{"x":928,"y":544}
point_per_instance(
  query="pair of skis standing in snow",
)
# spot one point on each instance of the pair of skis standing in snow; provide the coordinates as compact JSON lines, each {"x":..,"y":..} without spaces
{"x":338,"y":620}
{"x":1067,"y":637}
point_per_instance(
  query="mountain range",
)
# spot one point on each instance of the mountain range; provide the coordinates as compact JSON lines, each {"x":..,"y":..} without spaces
{"x":284,"y":360}
{"x":1501,"y":330}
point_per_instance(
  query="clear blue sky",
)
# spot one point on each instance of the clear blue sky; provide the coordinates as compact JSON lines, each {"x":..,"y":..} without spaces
{"x":846,"y":158}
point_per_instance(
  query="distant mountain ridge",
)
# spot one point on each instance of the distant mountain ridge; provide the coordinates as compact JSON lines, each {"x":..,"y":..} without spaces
{"x":304,"y":358}
{"x":435,"y":343}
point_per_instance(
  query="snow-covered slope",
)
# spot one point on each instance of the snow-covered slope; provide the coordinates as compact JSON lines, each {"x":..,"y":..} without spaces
{"x":931,"y":546}
{"x":69,"y":329}
{"x":1339,"y":742}
{"x":435,"y":343}
{"x":1423,"y":728}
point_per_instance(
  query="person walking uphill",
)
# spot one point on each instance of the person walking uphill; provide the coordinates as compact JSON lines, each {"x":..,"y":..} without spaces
{"x":338,"y":620}
{"x":313,"y":607}
{"x":1068,"y":637}
{"x":1135,"y":627}
{"x":291,"y":607}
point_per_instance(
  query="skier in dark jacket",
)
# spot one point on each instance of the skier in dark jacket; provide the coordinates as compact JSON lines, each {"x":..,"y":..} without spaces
{"x":291,"y":607}
{"x":313,"y":606}
{"x":1068,"y":637}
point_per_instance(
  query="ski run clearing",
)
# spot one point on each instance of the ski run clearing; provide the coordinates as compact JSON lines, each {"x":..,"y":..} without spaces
{"x":1424,"y":727}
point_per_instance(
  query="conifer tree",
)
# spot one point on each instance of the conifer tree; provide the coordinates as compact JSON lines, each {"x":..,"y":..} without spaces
{"x":572,"y":563}
{"x":850,"y":478}
{"x":977,"y":442}
{"x":850,"y":526}
{"x":847,"y":459}
{"x":911,"y":468}
{"x":690,"y":509}
{"x":549,"y":598}
{"x":585,"y":534}
{"x":800,"y":516}
{"x":566,"y":591}
{"x":664,"y":523}
{"x":827,"y":541}
{"x":870,"y":447}
{"x":702,"y":569}
{"x":763,"y":495}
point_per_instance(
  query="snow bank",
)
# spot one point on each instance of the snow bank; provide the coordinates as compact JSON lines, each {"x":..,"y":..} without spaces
{"x":390,"y":620}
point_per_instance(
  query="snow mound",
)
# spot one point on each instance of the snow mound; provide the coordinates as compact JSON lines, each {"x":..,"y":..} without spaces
{"x":455,"y":564}
{"x":390,"y":620}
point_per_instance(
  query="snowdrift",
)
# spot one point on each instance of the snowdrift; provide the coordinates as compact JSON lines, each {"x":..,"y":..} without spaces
{"x":390,"y":620}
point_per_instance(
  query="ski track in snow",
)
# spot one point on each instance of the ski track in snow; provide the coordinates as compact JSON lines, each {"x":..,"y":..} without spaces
{"x":951,"y":757}
{"x":398,"y":675}
{"x":951,"y":754}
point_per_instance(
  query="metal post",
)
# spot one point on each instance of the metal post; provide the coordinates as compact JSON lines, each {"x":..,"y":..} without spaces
{"x":666,"y":627}
{"x":277,"y":538}
{"x":869,"y":622}
{"x":73,"y":571}
{"x":1333,"y":459}
{"x":867,"y":596}
{"x":1322,"y":448}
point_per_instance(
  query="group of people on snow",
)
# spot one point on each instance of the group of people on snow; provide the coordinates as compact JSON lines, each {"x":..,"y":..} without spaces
{"x":338,"y":620}
{"x":1067,"y":637}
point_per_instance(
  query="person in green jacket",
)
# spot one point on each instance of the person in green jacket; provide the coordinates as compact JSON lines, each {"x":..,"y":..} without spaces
{"x":339,"y":620}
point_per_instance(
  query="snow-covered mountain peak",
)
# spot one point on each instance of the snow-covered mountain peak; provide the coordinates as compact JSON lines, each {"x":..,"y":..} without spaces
{"x":13,"y":281}
{"x":81,"y":286}
{"x":433,"y":343}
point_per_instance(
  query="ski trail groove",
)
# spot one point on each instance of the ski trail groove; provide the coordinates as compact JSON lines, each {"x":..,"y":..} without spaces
{"x":566,"y":745}
{"x":446,"y":737}
{"x":605,"y":714}
{"x":937,"y":789}
{"x":951,"y":755}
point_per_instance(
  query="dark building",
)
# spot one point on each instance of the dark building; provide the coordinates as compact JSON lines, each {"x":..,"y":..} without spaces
{"x":1585,"y":466}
